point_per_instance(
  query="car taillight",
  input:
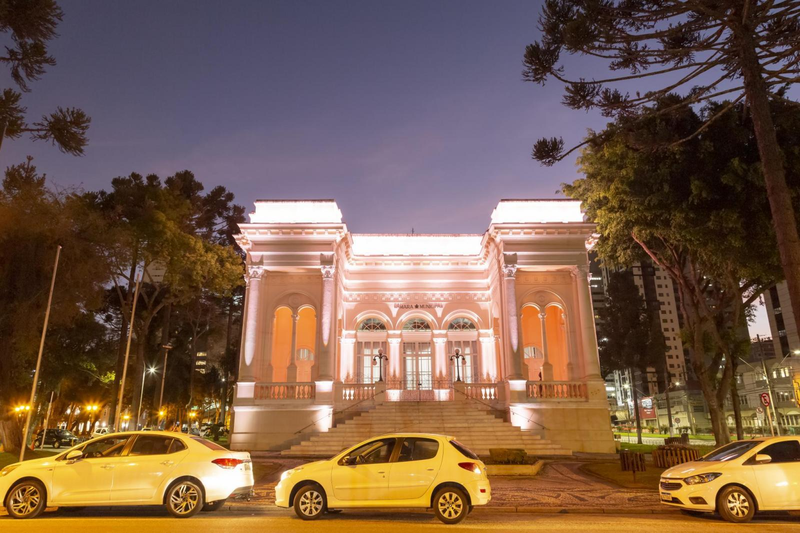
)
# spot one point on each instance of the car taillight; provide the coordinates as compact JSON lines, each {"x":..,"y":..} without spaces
{"x":227,"y":462}
{"x":472,"y":467}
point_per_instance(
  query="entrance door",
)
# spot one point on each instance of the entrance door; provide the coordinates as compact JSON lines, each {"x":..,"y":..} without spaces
{"x":417,"y":366}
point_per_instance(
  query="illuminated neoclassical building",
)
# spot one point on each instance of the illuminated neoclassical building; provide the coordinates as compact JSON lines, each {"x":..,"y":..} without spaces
{"x":513,"y":302}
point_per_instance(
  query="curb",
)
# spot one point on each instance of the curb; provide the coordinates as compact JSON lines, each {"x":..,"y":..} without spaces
{"x":259,"y":509}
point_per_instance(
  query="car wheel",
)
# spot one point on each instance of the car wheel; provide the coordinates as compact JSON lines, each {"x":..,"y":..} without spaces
{"x":309,"y":503}
{"x":735,"y":504}
{"x":37,"y":443}
{"x":26,"y":500}
{"x":450,"y":505}
{"x":184,"y":499}
{"x":214,"y":506}
{"x":57,"y":444}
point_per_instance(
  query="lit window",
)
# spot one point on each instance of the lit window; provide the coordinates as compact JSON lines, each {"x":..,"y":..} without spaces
{"x":416,"y":324}
{"x":462,"y":324}
{"x":372,"y":324}
{"x":304,"y":354}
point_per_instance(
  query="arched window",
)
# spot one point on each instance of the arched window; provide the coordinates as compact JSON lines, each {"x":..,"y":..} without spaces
{"x":372,"y":324}
{"x":532,"y":352}
{"x":304,"y":354}
{"x":417,"y":324}
{"x":461,"y":324}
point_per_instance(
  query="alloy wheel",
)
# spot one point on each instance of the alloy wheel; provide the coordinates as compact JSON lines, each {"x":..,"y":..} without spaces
{"x":25,"y":500}
{"x":450,"y":505}
{"x":184,"y":498}
{"x":311,"y":503}
{"x":738,"y":504}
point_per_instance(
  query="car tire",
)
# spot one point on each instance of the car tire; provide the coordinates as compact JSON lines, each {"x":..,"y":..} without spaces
{"x":27,"y":499}
{"x":184,"y":499}
{"x":210,"y":507}
{"x":735,"y":504}
{"x":310,"y":502}
{"x":37,"y":443}
{"x":57,"y":444}
{"x":450,"y":505}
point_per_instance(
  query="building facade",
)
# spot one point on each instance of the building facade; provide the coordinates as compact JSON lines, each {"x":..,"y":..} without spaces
{"x":781,"y":319}
{"x":511,"y":307}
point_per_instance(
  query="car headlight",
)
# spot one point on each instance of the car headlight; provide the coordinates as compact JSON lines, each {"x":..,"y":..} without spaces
{"x":287,"y":474}
{"x":701,"y":478}
{"x":7,"y":470}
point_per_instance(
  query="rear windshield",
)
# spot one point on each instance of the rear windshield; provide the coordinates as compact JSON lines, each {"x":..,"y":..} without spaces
{"x":732,"y":450}
{"x":210,"y":445}
{"x":466,"y":452}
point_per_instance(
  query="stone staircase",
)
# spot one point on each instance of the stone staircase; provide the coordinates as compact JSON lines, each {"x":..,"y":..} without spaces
{"x":473,"y":424}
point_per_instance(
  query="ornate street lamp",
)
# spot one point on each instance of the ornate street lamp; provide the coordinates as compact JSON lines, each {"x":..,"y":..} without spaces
{"x":459,"y":360}
{"x":378,"y":360}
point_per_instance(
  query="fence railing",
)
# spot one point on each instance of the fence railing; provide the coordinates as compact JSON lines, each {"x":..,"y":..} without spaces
{"x":557,"y":390}
{"x":358,"y":391}
{"x":481,"y":391}
{"x":285,"y":391}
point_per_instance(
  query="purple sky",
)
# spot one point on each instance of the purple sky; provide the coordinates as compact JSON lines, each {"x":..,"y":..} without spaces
{"x":409,"y":114}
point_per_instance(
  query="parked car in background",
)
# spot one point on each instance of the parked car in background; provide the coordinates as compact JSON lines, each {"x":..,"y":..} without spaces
{"x":100,"y":432}
{"x":400,"y":470}
{"x":185,"y":474}
{"x":738,"y":479}
{"x":55,"y":438}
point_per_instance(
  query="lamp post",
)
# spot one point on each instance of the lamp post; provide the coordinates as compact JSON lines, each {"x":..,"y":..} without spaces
{"x":379,"y":359}
{"x":459,"y":360}
{"x":151,"y":370}
{"x":167,"y":347}
{"x":92,"y":409}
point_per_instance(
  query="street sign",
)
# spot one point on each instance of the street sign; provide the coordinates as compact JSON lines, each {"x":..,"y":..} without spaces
{"x":765,"y":399}
{"x":759,"y":410}
{"x":154,"y":273}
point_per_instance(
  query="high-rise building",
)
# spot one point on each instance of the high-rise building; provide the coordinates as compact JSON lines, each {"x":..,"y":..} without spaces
{"x":660,"y":296}
{"x":781,"y":319}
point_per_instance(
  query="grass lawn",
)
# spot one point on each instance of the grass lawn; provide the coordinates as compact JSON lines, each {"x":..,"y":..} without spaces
{"x":662,"y":435}
{"x":648,"y":448}
{"x":9,"y":458}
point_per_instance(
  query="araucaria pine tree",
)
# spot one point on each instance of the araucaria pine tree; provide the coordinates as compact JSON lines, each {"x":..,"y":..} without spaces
{"x":743,"y":50}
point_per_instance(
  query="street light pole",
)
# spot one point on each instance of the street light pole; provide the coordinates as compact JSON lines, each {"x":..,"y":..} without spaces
{"x":39,"y":359}
{"x":151,"y":370}
{"x":379,"y":359}
{"x":458,"y":358}
{"x":167,"y":347}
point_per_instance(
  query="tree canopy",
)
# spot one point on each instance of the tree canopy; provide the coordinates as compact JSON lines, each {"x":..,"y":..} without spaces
{"x":699,"y":210}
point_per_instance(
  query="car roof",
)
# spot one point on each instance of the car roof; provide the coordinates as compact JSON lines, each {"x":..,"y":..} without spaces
{"x":411,"y":435}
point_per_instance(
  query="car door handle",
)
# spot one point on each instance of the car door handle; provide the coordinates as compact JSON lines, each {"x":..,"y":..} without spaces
{"x":382,"y":472}
{"x":107,"y":467}
{"x":167,"y":463}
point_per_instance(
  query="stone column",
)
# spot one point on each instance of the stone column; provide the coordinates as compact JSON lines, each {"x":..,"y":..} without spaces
{"x":440,"y":362}
{"x":291,"y":371}
{"x":588,"y":332}
{"x":328,"y":324}
{"x":488,"y":359}
{"x":247,"y":372}
{"x":514,"y":357}
{"x":347,"y":367}
{"x":547,"y":367}
{"x":393,"y":370}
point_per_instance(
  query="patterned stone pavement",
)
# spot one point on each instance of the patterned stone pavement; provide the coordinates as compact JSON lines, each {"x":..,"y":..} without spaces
{"x":560,"y":485}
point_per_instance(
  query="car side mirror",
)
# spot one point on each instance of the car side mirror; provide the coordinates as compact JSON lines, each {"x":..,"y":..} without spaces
{"x":74,"y":455}
{"x":763,"y":458}
{"x":349,"y":461}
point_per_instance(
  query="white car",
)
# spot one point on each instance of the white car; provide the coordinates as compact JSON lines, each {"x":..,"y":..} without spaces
{"x":738,"y":479}
{"x":100,"y":432}
{"x":400,"y":470}
{"x":183,"y":473}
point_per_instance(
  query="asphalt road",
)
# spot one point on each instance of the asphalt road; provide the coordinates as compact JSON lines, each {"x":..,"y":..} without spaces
{"x":155,"y":521}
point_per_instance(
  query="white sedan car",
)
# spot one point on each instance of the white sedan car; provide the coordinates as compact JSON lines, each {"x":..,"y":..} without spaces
{"x":400,"y":470}
{"x":738,"y":479}
{"x":183,"y":473}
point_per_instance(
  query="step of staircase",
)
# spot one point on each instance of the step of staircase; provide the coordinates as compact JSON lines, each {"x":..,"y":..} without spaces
{"x":474,"y":425}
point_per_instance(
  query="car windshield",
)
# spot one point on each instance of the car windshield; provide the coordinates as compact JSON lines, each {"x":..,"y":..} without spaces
{"x":731,"y":451}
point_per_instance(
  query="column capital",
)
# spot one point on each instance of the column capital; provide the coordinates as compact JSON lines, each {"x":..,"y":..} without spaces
{"x":439,"y":340}
{"x":254,"y":272}
{"x":328,"y":271}
{"x":542,"y":315}
{"x":394,"y":341}
{"x":509,"y":271}
{"x":583,"y":269}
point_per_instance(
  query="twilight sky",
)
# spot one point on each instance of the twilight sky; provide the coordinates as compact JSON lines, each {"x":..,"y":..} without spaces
{"x":409,"y":114}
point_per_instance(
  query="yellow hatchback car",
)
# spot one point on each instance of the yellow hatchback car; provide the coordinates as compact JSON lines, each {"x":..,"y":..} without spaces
{"x":411,"y":470}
